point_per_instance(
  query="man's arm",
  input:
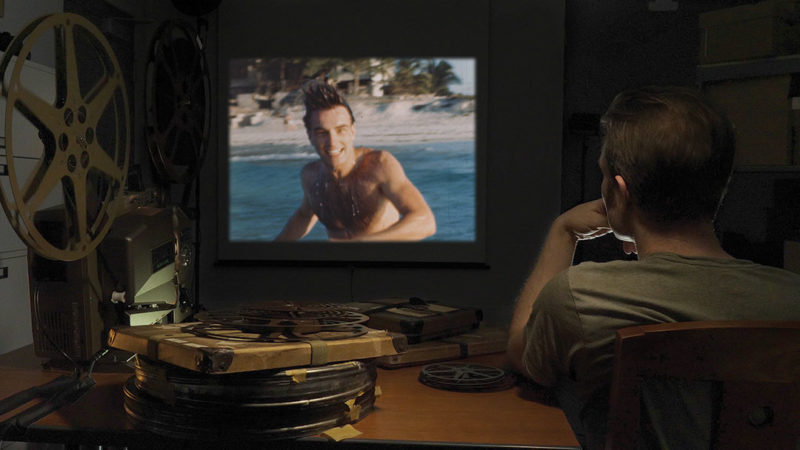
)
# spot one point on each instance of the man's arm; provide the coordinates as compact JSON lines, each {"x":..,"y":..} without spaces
{"x":585,"y":221}
{"x":299,"y":224}
{"x":416,"y":218}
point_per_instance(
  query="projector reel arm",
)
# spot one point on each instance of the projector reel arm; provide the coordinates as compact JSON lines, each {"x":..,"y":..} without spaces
{"x":84,"y":133}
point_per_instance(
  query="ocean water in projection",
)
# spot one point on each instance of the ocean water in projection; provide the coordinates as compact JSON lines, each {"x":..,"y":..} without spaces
{"x":434,"y":140}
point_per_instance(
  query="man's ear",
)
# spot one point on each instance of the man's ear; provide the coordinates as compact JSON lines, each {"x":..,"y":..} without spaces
{"x":622,"y":185}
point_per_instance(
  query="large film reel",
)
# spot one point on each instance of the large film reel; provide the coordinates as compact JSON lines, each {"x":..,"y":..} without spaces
{"x":279,"y":321}
{"x":84,"y":136}
{"x":177,"y":103}
{"x":266,"y":404}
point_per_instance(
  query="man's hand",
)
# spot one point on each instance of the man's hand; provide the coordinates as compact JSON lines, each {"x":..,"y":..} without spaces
{"x":588,"y":221}
{"x":585,"y":221}
{"x":299,"y":224}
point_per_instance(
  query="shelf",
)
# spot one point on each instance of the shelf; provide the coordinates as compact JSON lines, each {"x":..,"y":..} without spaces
{"x":768,"y":168}
{"x":748,"y":69}
{"x":14,"y":253}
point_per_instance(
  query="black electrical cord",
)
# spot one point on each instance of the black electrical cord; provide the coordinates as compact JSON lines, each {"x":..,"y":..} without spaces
{"x":46,"y":335}
{"x":57,"y":393}
{"x":195,"y":257}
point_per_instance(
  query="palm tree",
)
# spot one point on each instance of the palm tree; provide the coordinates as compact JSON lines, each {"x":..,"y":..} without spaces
{"x":410,"y":78}
{"x":356,"y":66}
{"x":319,"y":68}
{"x":441,"y":76}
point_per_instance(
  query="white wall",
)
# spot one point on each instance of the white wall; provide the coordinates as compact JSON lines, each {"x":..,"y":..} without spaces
{"x":19,"y":13}
{"x":15,"y":315}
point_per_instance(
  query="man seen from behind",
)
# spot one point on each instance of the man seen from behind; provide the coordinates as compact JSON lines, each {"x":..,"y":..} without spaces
{"x":666,"y":159}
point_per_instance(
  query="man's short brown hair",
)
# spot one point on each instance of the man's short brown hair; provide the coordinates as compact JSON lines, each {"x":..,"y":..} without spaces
{"x":673,"y":148}
{"x":320,"y":96}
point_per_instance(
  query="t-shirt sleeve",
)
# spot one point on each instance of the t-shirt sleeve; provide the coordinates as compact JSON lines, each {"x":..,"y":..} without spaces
{"x":553,"y":334}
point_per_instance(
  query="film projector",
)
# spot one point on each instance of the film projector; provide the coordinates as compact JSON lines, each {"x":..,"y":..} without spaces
{"x":112,"y":266}
{"x":99,"y":254}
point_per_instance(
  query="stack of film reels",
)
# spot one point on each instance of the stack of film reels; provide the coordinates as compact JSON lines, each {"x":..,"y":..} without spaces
{"x":276,"y":403}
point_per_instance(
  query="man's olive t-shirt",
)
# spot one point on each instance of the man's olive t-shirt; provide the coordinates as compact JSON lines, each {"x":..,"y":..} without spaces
{"x":571,"y":331}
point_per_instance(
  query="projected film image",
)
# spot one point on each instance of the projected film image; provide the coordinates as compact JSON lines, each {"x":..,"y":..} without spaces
{"x":398,"y":165}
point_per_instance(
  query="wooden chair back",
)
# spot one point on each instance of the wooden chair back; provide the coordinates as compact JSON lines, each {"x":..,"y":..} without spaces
{"x":757,"y":363}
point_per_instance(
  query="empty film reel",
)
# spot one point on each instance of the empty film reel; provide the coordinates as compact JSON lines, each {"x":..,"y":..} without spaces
{"x":78,"y":137}
{"x":465,"y":377}
{"x":293,"y":318}
{"x":178,"y":91}
{"x":234,"y":333}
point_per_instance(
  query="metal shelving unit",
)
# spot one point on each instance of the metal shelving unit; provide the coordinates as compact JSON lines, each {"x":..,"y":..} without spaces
{"x":779,"y":65}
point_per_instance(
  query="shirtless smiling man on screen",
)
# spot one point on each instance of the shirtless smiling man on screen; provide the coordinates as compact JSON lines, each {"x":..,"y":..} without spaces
{"x":359,"y":194}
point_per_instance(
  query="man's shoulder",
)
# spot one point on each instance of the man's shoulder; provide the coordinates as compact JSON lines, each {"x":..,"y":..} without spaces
{"x":368,"y":154}
{"x":667,"y":276}
{"x":587,"y":272}
{"x":311,"y":167}
{"x":654,"y":267}
{"x":592,"y":278}
{"x":378,"y":162}
{"x":311,"y":172}
{"x":602,"y":268}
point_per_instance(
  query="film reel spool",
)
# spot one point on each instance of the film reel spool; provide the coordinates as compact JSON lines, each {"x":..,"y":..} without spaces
{"x":271,"y":404}
{"x":85,"y":136}
{"x":465,"y":377}
{"x":291,"y":318}
{"x":178,"y":106}
{"x":231,"y":333}
{"x":332,"y":334}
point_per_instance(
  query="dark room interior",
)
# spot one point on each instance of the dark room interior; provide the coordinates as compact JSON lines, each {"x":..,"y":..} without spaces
{"x":541,"y":75}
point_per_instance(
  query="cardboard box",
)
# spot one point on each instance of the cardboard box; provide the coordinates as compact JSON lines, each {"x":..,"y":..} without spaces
{"x":417,"y":319}
{"x":760,"y":30}
{"x":422,"y":353}
{"x":176,"y":345}
{"x":482,"y":341}
{"x":765,"y":124}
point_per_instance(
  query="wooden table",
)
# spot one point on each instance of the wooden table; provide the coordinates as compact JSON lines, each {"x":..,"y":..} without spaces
{"x":407,"y":412}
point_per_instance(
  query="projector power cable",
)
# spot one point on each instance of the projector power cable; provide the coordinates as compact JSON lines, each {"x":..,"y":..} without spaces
{"x":57,"y":393}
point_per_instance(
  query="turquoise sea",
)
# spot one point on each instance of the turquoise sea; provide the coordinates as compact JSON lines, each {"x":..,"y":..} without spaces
{"x":265,"y":187}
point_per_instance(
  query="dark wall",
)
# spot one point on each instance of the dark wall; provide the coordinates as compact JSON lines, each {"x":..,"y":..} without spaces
{"x":550,"y":61}
{"x":609,"y":47}
{"x":523,"y":155}
{"x":550,"y":64}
